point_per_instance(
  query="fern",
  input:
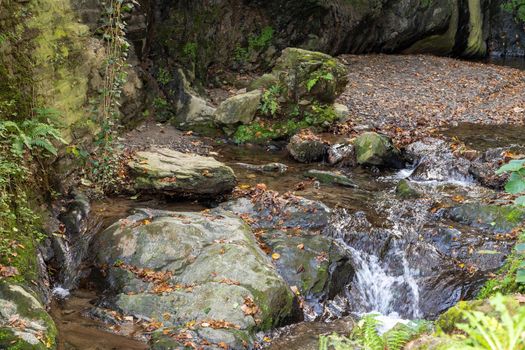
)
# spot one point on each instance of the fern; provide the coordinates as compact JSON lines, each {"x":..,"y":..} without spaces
{"x":504,"y":330}
{"x":34,"y":134}
{"x":366,"y":336}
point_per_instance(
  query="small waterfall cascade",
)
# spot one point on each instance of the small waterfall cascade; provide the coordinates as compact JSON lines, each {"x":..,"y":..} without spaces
{"x":376,"y":290}
{"x":385,"y":278}
{"x":71,"y":247}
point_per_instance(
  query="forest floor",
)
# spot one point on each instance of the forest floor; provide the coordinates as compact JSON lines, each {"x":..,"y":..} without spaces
{"x":411,"y":96}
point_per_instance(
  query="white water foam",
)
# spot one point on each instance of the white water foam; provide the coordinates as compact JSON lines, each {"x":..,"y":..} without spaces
{"x":61,"y":293}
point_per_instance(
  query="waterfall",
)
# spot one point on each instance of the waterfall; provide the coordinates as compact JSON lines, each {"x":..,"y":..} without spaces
{"x":375,"y":289}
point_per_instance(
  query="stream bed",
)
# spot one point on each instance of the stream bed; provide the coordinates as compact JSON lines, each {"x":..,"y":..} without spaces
{"x":384,"y":237}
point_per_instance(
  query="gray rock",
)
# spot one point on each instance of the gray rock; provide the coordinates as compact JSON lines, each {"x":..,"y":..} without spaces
{"x":372,"y":148}
{"x":265,"y":168}
{"x":330,"y":177}
{"x":307,"y":148}
{"x":24,"y":322}
{"x":239,"y":108}
{"x":307,"y":76}
{"x":180,"y":174}
{"x":436,"y":162}
{"x":343,"y":154}
{"x":493,"y":218}
{"x":210,"y":265}
{"x":269,"y":210}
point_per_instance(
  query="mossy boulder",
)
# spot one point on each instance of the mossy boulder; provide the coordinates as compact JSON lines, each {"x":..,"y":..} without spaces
{"x":212,"y":270}
{"x":494,"y":218}
{"x":314,"y":264}
{"x":372,"y":148}
{"x":406,"y":190}
{"x":180,"y":174}
{"x":24,"y":322}
{"x":239,"y":108}
{"x":306,"y":76}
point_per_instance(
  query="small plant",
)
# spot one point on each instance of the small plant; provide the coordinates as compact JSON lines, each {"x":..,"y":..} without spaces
{"x":516,"y":7}
{"x":503,"y":331}
{"x":516,"y":181}
{"x":256,"y":43}
{"x":190,"y":51}
{"x":261,"y":41}
{"x":35,"y":134}
{"x":316,"y":77}
{"x":270,"y":100}
{"x":365,"y":335}
{"x":163,"y":76}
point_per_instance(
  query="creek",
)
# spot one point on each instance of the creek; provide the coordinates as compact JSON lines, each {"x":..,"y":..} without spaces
{"x":386,"y":239}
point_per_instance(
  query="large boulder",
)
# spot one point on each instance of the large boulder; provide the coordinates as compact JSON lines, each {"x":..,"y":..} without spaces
{"x":317,"y":267}
{"x":239,"y":108}
{"x":180,"y":174}
{"x":307,"y":76}
{"x":372,"y":148}
{"x":24,"y":323}
{"x":205,"y":268}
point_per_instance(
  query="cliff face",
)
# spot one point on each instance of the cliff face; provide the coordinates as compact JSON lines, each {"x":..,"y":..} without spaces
{"x":248,"y":33}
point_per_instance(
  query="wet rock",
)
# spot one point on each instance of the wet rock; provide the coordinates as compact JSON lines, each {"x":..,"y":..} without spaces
{"x":436,"y":162}
{"x":305,"y":335}
{"x":342,"y":154}
{"x":239,"y":108}
{"x":372,"y":148}
{"x":483,"y":169}
{"x":306,"y":147}
{"x":314,"y":264}
{"x":265,"y":168}
{"x":70,"y":249}
{"x":330,"y":177}
{"x":269,"y":210}
{"x":289,"y":225}
{"x":180,"y":174}
{"x":406,"y":190}
{"x":199,"y":267}
{"x":307,"y":76}
{"x":24,"y":323}
{"x":493,"y":218}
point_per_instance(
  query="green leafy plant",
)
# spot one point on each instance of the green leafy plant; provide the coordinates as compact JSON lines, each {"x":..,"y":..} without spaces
{"x":261,"y":41}
{"x":516,"y":181}
{"x":36,"y":134}
{"x":316,"y":77}
{"x":270,"y":100}
{"x":189,"y":50}
{"x":517,"y":8}
{"x":503,"y":330}
{"x":163,"y":76}
{"x":256,"y":43}
{"x":365,"y":335}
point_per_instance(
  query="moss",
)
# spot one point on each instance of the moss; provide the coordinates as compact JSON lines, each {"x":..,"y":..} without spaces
{"x":447,"y":321}
{"x":441,"y":44}
{"x":505,"y":280}
{"x":319,"y":116}
{"x":27,"y":307}
{"x":476,"y":45}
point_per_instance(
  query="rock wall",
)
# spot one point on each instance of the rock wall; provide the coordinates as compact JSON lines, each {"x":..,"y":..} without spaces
{"x":205,"y":34}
